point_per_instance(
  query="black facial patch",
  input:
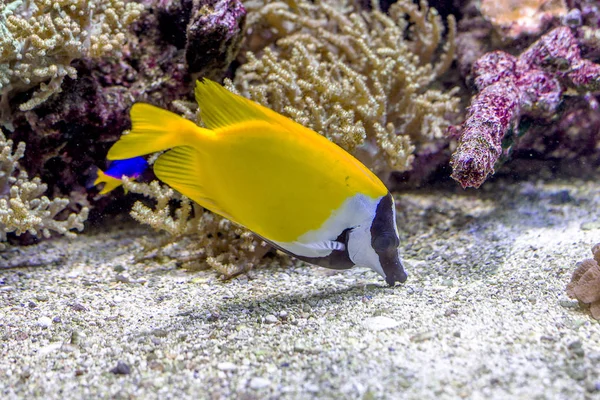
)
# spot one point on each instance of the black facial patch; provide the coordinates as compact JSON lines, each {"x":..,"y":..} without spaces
{"x":385,"y":241}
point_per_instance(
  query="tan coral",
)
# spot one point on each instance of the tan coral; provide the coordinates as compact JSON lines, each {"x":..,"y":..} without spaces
{"x":361,"y":78}
{"x":209,"y":240}
{"x":585,"y":283}
{"x":23,"y":206}
{"x":40,"y":38}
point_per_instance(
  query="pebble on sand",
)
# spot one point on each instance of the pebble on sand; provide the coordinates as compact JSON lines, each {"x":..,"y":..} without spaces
{"x":380,"y":323}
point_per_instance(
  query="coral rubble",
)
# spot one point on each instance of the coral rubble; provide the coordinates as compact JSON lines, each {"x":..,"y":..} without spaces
{"x":23,"y":207}
{"x":510,"y":87}
{"x":363,"y":79}
{"x":585,"y":282}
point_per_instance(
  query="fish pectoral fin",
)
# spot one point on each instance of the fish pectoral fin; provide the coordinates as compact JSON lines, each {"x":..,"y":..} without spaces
{"x":328,"y":245}
{"x":180,"y":169}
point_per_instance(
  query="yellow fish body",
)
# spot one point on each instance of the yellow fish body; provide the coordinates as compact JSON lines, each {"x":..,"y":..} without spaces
{"x":281,"y":180}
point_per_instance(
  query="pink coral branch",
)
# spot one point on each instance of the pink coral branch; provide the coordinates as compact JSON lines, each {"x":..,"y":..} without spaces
{"x":509,"y":88}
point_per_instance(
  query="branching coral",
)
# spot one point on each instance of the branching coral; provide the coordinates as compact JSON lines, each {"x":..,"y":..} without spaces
{"x":216,"y":242}
{"x":40,"y":38}
{"x":363,"y":79}
{"x":585,"y":282}
{"x":23,"y":208}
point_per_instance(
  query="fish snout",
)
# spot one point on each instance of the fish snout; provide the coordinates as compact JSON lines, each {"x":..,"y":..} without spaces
{"x":394,"y":271}
{"x":399,"y":276}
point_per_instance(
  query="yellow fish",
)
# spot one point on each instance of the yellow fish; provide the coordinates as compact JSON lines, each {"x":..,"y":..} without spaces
{"x":279,"y":179}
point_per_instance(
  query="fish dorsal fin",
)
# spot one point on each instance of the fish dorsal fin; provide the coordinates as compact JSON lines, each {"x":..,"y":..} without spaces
{"x":180,"y":169}
{"x":219,"y":108}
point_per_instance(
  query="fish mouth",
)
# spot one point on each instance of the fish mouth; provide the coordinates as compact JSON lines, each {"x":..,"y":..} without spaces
{"x":394,"y":272}
{"x":400,"y":276}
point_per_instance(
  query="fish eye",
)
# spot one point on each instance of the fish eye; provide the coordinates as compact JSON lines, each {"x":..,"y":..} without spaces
{"x":385,"y":241}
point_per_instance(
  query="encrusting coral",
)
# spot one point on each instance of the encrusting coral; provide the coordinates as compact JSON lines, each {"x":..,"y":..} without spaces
{"x":515,"y":18}
{"x":364,"y":79}
{"x":585,"y":283}
{"x":40,"y":38}
{"x":23,"y":208}
{"x":510,"y":88}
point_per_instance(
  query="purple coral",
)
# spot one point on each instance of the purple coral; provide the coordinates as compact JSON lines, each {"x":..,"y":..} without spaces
{"x":214,"y":35}
{"x":511,"y":87}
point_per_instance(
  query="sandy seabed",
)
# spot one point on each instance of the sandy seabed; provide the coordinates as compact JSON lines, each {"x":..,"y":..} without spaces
{"x":484,"y":314}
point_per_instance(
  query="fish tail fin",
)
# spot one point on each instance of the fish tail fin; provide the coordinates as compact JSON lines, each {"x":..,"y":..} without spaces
{"x":154,"y":129}
{"x":110,"y":183}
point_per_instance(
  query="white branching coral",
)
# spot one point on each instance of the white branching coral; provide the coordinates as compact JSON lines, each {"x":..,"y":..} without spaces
{"x":23,"y":207}
{"x":40,"y":38}
{"x":361,"y":78}
{"x":214,"y":241}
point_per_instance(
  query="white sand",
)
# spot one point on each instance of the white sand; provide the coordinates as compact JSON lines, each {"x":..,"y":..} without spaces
{"x":484,"y":314}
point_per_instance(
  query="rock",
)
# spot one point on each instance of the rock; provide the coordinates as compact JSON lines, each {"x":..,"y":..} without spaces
{"x":121,"y":369}
{"x":259,"y":383}
{"x":119,"y":268}
{"x":122,"y":278}
{"x":422,"y":337}
{"x":380,"y":323}
{"x":311,"y":388}
{"x":271,"y":319}
{"x":51,"y":348}
{"x":590,"y":225}
{"x":214,"y":37}
{"x":226,"y":366}
{"x":160,"y":333}
{"x":45,"y":322}
{"x":41,"y":297}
